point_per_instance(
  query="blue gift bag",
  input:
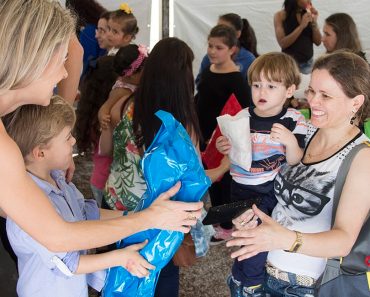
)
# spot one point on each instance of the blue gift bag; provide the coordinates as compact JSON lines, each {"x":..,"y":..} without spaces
{"x":170,"y":158}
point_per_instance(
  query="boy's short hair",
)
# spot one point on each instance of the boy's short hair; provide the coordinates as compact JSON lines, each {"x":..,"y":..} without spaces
{"x":275,"y":66}
{"x":34,"y":125}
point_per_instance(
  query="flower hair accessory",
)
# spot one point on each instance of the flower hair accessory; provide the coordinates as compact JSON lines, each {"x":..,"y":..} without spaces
{"x":125,"y":8}
{"x":143,"y":53}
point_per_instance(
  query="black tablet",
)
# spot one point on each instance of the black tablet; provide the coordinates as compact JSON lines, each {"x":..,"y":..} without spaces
{"x":227,"y":212}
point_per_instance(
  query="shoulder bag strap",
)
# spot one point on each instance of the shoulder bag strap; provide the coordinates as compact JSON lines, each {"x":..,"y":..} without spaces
{"x":342,"y":175}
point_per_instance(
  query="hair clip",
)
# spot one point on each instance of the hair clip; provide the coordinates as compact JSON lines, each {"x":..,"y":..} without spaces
{"x":125,"y":8}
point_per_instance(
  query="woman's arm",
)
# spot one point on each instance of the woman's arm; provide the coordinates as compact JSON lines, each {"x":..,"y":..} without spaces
{"x":27,"y":205}
{"x":287,"y":40}
{"x":107,"y":214}
{"x":215,"y":173}
{"x":353,"y":209}
{"x":67,"y":88}
{"x":316,"y":34}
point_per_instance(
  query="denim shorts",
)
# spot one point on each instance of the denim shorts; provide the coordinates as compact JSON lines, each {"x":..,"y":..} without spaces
{"x":274,"y":287}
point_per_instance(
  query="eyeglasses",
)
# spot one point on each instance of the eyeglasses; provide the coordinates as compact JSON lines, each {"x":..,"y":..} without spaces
{"x":100,"y":31}
{"x":304,"y":200}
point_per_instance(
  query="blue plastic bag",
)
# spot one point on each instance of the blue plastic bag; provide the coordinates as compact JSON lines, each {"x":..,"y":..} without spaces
{"x":170,"y":158}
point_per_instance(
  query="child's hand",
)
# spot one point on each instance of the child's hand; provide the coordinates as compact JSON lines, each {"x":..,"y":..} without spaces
{"x":282,"y":135}
{"x":246,"y":221}
{"x":104,"y":117}
{"x":223,"y":145}
{"x":133,"y":262}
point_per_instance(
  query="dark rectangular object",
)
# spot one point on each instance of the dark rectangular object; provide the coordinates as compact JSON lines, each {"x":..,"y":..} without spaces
{"x":227,"y":212}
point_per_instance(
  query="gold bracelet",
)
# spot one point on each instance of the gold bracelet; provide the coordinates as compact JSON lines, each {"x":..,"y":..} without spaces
{"x":297,"y":243}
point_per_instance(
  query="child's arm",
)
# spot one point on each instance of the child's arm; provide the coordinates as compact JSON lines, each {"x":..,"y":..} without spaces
{"x":128,"y":257}
{"x":281,"y":134}
{"x":104,"y":111}
{"x":215,"y":173}
{"x":106,"y":141}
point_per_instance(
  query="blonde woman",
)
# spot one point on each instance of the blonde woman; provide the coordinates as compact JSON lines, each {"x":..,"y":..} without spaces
{"x":34,"y":40}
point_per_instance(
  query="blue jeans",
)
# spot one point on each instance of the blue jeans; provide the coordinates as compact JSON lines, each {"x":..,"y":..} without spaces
{"x":168,"y":281}
{"x":306,"y":67}
{"x":251,"y":272}
{"x":277,"y":288}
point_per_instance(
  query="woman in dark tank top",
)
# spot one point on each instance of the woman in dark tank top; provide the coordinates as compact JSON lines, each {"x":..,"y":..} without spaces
{"x":296,"y":30}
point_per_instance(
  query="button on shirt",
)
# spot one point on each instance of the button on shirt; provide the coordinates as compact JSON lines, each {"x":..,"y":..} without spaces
{"x":43,"y":273}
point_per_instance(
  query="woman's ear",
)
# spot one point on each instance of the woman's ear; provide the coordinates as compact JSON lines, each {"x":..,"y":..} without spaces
{"x":357,"y":102}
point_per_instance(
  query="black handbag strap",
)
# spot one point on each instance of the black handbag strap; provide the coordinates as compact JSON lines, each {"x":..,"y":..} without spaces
{"x":342,"y":175}
{"x":353,"y":262}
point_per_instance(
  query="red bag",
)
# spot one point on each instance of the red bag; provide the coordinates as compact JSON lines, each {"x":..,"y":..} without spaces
{"x":211,"y":157}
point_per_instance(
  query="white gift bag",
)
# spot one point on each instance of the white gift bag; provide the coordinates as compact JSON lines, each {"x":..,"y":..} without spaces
{"x":237,"y":130}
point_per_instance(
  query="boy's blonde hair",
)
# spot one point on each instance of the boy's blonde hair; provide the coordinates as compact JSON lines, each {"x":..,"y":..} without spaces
{"x":275,"y":66}
{"x":35,"y":125}
{"x":30,"y":33}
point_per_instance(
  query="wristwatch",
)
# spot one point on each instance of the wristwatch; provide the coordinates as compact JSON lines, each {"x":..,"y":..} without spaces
{"x":297,"y":243}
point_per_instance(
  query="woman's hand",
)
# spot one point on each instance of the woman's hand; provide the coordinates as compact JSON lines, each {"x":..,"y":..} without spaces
{"x":133,"y":262}
{"x":174,"y":215}
{"x":306,"y":19}
{"x":223,"y":145}
{"x":269,"y":235}
{"x":246,"y":221}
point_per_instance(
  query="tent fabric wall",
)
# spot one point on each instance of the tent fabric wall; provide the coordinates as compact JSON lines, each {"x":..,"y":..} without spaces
{"x":193,"y":20}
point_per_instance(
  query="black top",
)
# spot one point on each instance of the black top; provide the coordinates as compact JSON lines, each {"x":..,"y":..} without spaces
{"x":213,"y":91}
{"x":302,"y":49}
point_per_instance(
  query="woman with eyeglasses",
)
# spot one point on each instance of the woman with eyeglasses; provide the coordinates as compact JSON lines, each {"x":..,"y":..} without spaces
{"x":299,"y":236}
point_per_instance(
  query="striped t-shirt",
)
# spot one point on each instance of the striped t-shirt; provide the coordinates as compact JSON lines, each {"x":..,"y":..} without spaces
{"x":267,"y":155}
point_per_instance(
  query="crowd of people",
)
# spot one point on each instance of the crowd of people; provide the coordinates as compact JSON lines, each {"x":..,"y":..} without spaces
{"x":89,"y":54}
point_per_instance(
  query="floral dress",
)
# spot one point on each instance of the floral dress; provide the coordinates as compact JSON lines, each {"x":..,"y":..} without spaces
{"x":125,"y":184}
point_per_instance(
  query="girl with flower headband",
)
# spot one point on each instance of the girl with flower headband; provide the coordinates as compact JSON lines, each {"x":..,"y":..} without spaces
{"x":122,"y":26}
{"x":125,"y":184}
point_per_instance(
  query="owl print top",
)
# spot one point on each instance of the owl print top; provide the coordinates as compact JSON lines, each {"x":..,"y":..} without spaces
{"x":304,"y":193}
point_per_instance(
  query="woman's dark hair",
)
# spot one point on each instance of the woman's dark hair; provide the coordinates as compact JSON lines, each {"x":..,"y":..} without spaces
{"x":352,"y":73}
{"x":291,"y":7}
{"x":94,"y":89}
{"x":88,"y":11}
{"x":247,"y":37}
{"x":127,"y":20}
{"x":124,"y":58}
{"x":166,"y":83}
{"x":105,"y":15}
{"x":227,"y":34}
{"x":346,"y":31}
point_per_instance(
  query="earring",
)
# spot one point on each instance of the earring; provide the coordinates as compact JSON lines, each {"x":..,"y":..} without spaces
{"x":353,"y":117}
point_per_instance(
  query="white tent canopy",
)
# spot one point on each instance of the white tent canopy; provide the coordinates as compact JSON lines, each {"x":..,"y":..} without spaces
{"x":191,"y":20}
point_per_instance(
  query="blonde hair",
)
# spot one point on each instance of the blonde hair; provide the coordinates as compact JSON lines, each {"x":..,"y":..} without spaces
{"x":34,"y":125}
{"x":30,"y":33}
{"x":275,"y":66}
